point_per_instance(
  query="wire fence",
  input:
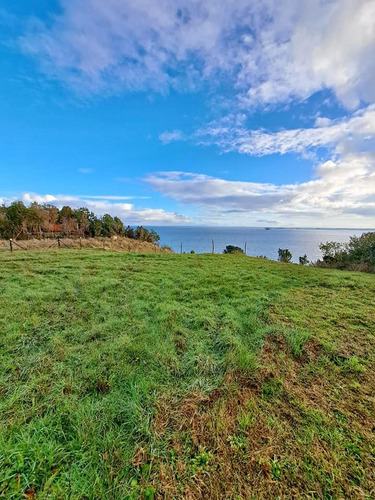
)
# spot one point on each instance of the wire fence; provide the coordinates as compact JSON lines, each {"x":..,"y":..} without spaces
{"x":117,"y":244}
{"x":182,"y":249}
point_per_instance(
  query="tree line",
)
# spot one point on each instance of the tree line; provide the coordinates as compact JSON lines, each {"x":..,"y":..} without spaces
{"x":19,"y":221}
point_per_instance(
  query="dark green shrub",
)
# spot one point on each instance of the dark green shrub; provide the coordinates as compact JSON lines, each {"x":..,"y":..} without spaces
{"x":357,"y":255}
{"x":332,"y":251}
{"x":232,"y":249}
{"x":303,"y":260}
{"x":362,"y":249}
{"x":284,"y":255}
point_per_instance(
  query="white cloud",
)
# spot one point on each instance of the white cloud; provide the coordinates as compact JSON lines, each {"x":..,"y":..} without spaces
{"x":85,"y":170}
{"x":321,"y":121}
{"x":111,"y":197}
{"x":354,"y":133}
{"x":269,"y":52}
{"x":312,"y":45}
{"x":167,"y":137}
{"x":105,"y":204}
{"x":343,"y":192}
{"x":272,"y":51}
{"x":30,"y":197}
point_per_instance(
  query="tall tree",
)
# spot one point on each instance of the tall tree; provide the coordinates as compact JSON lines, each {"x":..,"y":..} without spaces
{"x":17,"y":214}
{"x":67,"y":222}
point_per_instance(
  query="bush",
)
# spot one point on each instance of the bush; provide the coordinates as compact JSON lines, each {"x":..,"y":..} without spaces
{"x":303,"y":260}
{"x":284,"y":255}
{"x":332,"y":251}
{"x":232,"y":249}
{"x":362,"y":249}
{"x":357,"y":255}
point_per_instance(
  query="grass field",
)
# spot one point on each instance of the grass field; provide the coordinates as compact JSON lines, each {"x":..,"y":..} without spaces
{"x":115,"y":244}
{"x":127,"y":376}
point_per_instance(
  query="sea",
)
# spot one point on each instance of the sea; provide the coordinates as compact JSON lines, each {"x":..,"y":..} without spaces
{"x":256,"y":241}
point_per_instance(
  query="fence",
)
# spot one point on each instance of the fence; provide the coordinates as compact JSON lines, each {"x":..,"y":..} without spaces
{"x":118,"y":244}
{"x":244,"y":249}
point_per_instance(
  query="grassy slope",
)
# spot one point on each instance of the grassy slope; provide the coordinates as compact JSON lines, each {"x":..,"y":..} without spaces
{"x":117,"y":243}
{"x":184,"y":377}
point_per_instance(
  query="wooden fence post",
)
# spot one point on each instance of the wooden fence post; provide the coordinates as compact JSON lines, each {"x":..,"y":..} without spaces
{"x":245,"y":248}
{"x":80,"y":242}
{"x":213,"y":246}
{"x":181,"y":246}
{"x":58,"y":242}
{"x":11,"y":244}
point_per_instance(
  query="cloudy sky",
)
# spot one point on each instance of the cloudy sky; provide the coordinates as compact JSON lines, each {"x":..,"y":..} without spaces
{"x":225,"y":112}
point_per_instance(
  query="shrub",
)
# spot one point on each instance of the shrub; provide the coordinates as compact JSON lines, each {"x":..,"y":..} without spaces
{"x":362,"y":249}
{"x":284,"y":255}
{"x":232,"y":249}
{"x":332,"y":251}
{"x":357,"y":255}
{"x":303,"y":260}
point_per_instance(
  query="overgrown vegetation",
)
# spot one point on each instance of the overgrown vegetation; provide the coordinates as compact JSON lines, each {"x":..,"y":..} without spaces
{"x":116,"y":244}
{"x":41,"y":221}
{"x":358,"y":254}
{"x":303,"y":260}
{"x":127,"y":376}
{"x":232,"y":249}
{"x":284,"y":255}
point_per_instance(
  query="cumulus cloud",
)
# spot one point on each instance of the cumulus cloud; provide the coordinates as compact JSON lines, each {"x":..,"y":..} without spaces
{"x":271,"y":51}
{"x":107,"y":204}
{"x":342,"y":191}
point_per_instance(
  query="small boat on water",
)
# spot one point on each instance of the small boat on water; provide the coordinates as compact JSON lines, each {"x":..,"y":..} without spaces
{"x":267,"y":228}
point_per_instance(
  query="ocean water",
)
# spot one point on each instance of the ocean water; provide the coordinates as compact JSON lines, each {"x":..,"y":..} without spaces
{"x":259,"y":241}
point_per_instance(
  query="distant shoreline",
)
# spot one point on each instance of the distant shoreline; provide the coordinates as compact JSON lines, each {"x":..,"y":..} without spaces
{"x":269,"y":227}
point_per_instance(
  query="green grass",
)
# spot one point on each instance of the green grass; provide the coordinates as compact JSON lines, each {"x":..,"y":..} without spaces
{"x":184,"y":376}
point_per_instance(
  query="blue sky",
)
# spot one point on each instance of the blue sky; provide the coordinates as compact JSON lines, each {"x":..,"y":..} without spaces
{"x":191,"y":112}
